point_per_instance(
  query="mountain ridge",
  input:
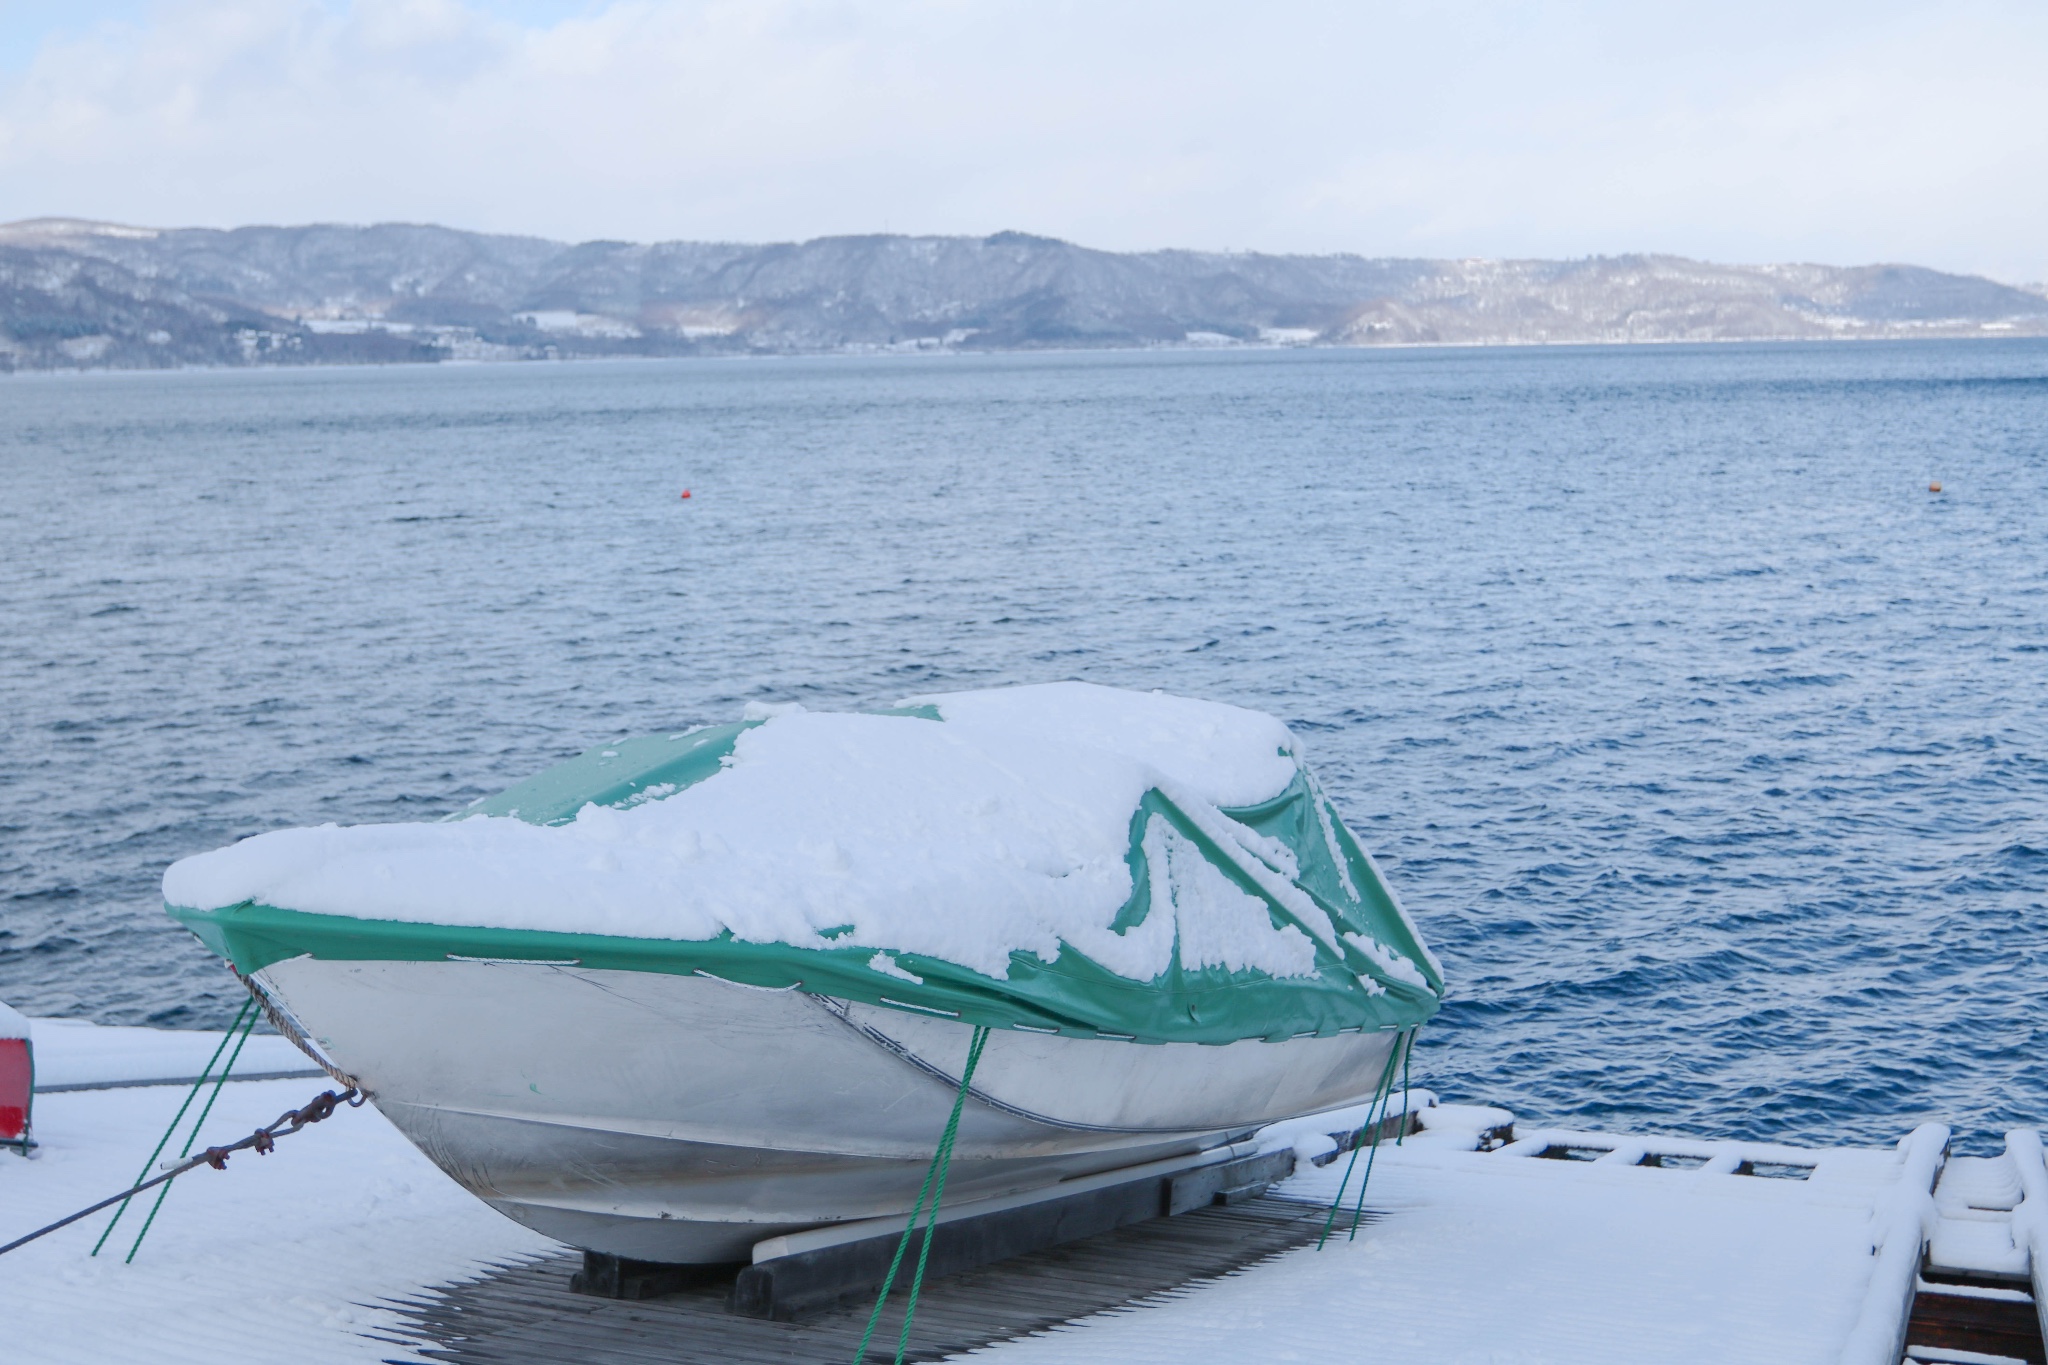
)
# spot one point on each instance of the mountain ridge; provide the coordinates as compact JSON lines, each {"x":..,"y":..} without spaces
{"x":81,"y":294}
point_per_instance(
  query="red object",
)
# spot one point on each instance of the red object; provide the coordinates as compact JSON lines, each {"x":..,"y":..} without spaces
{"x":686,"y":494}
{"x":17,"y":1076}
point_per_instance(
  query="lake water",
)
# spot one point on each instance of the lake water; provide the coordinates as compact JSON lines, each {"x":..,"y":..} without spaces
{"x":1709,"y":748}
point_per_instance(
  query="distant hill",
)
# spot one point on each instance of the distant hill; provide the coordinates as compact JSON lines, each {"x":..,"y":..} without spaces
{"x":78,"y":294}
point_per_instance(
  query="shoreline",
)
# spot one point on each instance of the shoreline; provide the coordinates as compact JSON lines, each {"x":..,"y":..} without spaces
{"x":1160,"y":349}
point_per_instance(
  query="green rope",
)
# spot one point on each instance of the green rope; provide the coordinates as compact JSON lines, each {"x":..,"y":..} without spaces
{"x":192,"y":1136}
{"x":1406,"y":1042}
{"x":190,"y":1095}
{"x":935,"y":1186}
{"x":1407,"y":1089}
{"x":1379,"y":1097}
{"x":945,"y":1161}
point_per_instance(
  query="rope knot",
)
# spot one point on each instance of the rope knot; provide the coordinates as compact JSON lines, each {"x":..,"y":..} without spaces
{"x":319,"y":1107}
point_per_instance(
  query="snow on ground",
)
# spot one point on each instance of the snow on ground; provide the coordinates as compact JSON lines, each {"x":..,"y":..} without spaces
{"x":73,"y":1052}
{"x":273,"y":1258}
{"x":1485,"y":1259}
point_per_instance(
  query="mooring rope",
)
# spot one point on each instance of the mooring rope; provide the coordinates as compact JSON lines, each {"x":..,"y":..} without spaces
{"x":262,"y":1140}
{"x":935,"y":1187}
{"x":241,"y":1018}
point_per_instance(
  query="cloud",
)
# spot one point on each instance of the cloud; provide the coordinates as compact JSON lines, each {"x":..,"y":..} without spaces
{"x":1738,"y":131}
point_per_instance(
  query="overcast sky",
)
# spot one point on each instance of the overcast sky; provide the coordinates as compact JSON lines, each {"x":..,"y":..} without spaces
{"x":1835,"y":132}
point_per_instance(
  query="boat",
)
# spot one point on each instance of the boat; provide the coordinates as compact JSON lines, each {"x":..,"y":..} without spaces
{"x":688,"y":992}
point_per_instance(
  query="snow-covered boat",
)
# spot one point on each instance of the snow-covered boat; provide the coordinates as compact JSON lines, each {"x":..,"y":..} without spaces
{"x":688,"y":992}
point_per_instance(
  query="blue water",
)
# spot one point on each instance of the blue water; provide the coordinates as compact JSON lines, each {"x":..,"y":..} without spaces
{"x":1708,"y":746}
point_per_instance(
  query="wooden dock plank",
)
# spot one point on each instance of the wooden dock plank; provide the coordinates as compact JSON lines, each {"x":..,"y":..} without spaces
{"x":1958,"y":1322}
{"x":524,"y":1313}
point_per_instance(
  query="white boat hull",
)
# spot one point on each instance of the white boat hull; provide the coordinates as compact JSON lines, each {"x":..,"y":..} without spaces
{"x":684,"y":1118}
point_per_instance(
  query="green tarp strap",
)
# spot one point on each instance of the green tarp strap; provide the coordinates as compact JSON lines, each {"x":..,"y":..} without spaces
{"x":935,"y":1187}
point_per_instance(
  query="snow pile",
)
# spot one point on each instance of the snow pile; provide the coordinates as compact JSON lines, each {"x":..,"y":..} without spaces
{"x":1312,"y":1137}
{"x":1004,"y":827}
{"x":13,"y":1023}
{"x":1223,"y":755}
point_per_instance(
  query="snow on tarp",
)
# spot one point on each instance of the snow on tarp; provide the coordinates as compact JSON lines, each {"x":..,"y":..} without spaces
{"x":1069,"y":858}
{"x":13,"y":1023}
{"x":1004,"y":828}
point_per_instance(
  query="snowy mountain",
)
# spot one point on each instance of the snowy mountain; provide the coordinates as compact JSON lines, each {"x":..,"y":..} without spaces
{"x":79,"y":294}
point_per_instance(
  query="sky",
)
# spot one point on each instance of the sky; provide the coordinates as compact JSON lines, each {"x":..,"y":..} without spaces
{"x":1843,"y":133}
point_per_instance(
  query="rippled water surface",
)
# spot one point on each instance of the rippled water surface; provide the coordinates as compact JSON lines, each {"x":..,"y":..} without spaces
{"x":1708,"y":746}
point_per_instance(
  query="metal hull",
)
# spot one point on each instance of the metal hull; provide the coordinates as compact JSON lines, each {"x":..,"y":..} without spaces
{"x":683,"y":1119}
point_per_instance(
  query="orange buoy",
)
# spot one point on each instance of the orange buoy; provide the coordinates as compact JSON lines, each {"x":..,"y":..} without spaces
{"x":1934,"y":487}
{"x":686,"y":494}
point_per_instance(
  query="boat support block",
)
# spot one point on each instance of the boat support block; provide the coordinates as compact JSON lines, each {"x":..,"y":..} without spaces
{"x":805,"y":1282}
{"x":606,"y":1276}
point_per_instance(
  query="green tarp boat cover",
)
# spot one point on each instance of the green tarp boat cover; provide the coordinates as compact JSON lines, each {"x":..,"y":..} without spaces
{"x":1063,"y":858}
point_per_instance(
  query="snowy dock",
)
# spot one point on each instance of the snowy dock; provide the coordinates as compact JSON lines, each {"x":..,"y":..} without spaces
{"x":1487,"y":1239}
